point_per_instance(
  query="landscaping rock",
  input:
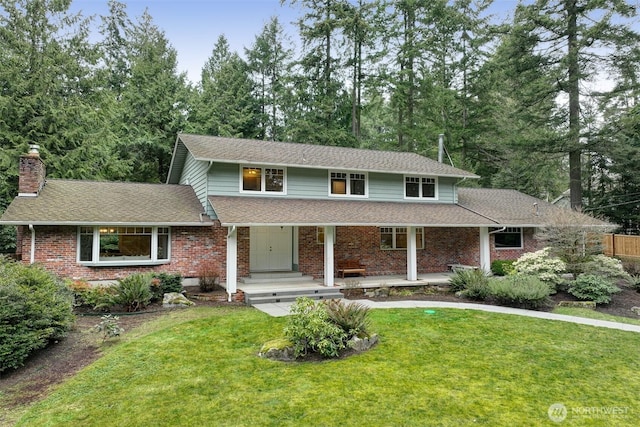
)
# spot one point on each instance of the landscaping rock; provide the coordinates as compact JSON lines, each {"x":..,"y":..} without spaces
{"x":175,"y":300}
{"x":381,"y":292}
{"x":363,"y":344}
{"x":578,"y":304}
{"x":278,"y":350}
{"x":636,"y":310}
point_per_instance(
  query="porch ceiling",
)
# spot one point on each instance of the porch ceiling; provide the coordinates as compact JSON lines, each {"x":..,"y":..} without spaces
{"x":248,"y":211}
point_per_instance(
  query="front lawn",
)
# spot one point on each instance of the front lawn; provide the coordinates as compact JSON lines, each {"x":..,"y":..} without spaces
{"x":451,"y":368}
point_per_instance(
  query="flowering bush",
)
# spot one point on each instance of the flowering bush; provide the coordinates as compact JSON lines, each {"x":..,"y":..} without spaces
{"x":602,"y":265}
{"x":542,"y":265}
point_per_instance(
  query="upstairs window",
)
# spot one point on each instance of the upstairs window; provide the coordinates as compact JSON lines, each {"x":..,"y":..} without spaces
{"x":397,"y":238}
{"x":263,"y":180}
{"x":420,"y":187}
{"x":509,"y":238}
{"x":123,"y":245}
{"x":348,"y":184}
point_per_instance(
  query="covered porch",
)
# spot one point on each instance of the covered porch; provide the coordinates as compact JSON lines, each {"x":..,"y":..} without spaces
{"x":352,"y":229}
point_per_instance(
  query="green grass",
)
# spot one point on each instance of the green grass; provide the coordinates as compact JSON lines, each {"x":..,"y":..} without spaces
{"x":451,"y":368}
{"x":593,"y":314}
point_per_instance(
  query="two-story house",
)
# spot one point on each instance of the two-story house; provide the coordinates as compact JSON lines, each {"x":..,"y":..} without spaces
{"x":245,"y":206}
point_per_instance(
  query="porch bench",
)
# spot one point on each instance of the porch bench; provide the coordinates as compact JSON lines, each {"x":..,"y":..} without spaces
{"x":457,"y":267}
{"x":350,"y":266}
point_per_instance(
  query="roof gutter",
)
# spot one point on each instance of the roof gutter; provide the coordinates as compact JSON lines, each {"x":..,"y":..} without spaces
{"x":32,"y":258}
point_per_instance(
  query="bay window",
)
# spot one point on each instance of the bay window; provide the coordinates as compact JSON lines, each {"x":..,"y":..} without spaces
{"x":111,"y":245}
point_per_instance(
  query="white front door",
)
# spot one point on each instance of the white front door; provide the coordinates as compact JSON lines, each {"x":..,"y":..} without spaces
{"x":271,"y":248}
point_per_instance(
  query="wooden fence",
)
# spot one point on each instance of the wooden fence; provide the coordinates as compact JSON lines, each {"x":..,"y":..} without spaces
{"x":622,"y":245}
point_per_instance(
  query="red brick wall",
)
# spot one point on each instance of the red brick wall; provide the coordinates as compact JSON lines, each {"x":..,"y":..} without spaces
{"x":195,"y":247}
{"x":442,"y":246}
{"x":191,"y":249}
{"x":530,"y":244}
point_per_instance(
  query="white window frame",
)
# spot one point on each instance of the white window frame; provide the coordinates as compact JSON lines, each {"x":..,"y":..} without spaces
{"x":395,"y":232}
{"x":95,"y":247}
{"x":509,"y":230}
{"x":348,"y":184}
{"x":420,"y":179}
{"x":263,"y":180}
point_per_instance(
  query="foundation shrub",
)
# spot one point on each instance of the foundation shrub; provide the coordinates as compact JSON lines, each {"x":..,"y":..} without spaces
{"x":542,"y":265}
{"x":311,"y":330}
{"x":134,"y":292}
{"x":208,"y":278}
{"x":36,"y":308}
{"x":519,"y":291}
{"x":163,"y":283}
{"x":462,"y":279}
{"x":502,"y":267}
{"x":591,"y":287}
{"x":97,"y":298}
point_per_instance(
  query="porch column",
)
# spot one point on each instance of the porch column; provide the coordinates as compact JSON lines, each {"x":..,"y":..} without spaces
{"x":412,"y":258}
{"x":485,"y":250}
{"x":232,"y":261}
{"x":329,"y":238}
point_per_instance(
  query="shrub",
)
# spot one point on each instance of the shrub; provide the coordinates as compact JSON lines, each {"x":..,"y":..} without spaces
{"x":463,"y":279}
{"x":602,"y":265}
{"x":163,"y":283}
{"x":134,"y":292}
{"x":109,"y":327}
{"x":542,"y":265}
{"x":520,"y":291}
{"x":502,"y":267}
{"x":35,"y":309}
{"x":208,"y":277}
{"x":353,"y":317}
{"x":98,"y":298}
{"x":310,"y":330}
{"x":477,"y":290}
{"x":593,"y":288}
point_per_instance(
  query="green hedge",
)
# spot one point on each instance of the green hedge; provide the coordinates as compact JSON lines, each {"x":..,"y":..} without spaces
{"x":35,"y":309}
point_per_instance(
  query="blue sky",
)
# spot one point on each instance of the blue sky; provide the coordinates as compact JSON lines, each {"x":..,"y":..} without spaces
{"x":193,"y":26}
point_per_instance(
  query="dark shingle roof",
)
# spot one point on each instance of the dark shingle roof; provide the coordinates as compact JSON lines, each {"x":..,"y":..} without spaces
{"x":246,"y":211}
{"x":106,"y":203}
{"x":248,"y":151}
{"x":513,"y":208}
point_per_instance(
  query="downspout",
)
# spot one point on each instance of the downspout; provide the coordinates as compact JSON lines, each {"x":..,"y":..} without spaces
{"x":498,"y":230}
{"x":231,"y":232}
{"x":32,"y":259}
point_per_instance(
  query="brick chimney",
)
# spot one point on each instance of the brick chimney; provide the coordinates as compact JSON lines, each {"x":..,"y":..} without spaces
{"x":32,"y":172}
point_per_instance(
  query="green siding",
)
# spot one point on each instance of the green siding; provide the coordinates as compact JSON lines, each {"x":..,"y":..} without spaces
{"x":194,"y":173}
{"x":302,"y":183}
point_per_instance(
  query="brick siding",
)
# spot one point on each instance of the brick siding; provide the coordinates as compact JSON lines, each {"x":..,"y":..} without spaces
{"x":194,"y":248}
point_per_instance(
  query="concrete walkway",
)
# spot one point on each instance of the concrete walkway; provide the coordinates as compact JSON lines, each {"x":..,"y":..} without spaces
{"x":282,"y":309}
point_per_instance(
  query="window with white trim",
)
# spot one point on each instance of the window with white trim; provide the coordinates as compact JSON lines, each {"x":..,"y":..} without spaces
{"x":420,"y":187}
{"x":397,"y":238}
{"x":348,"y":184}
{"x":509,"y":238}
{"x":263,"y":179}
{"x":123,"y":245}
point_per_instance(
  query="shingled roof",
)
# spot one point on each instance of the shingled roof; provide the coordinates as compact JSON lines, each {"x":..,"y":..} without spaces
{"x":63,"y":202}
{"x":476,"y":207}
{"x":249,"y":151}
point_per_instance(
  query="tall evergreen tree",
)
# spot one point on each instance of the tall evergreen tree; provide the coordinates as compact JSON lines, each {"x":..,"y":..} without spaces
{"x":578,"y":36}
{"x":269,"y":59}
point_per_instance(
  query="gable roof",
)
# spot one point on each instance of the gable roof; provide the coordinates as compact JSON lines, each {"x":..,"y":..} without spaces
{"x":66,"y":202}
{"x":258,"y":152}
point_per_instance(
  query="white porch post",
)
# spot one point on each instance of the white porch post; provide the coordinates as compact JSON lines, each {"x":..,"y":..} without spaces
{"x":232,"y":261}
{"x":485,"y":249}
{"x":329,"y":238}
{"x":412,"y":258}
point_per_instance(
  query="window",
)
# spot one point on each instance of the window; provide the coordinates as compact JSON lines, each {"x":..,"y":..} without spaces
{"x":320,"y":235}
{"x":509,"y":238}
{"x":123,"y":245}
{"x":263,"y":180}
{"x":348,"y":184}
{"x":396,"y":238}
{"x":420,"y":187}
